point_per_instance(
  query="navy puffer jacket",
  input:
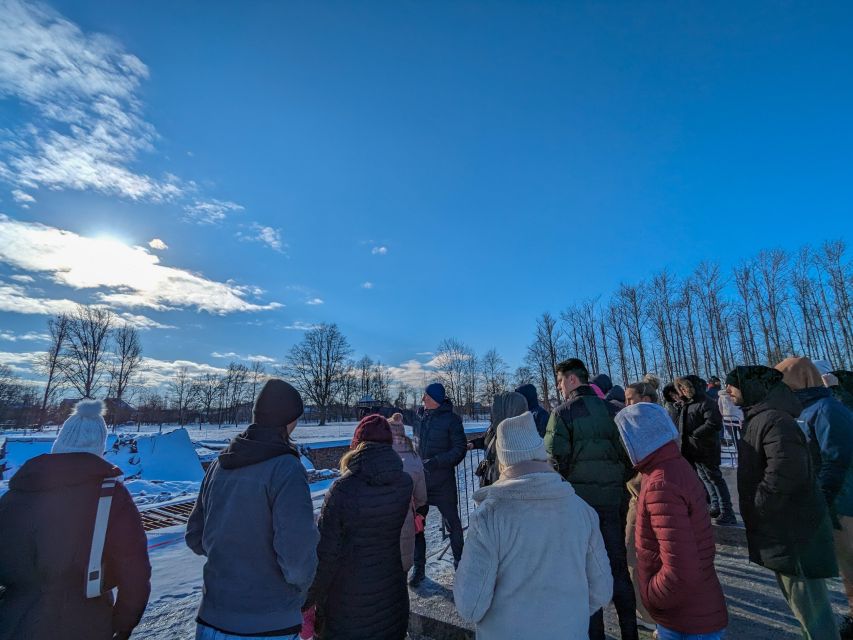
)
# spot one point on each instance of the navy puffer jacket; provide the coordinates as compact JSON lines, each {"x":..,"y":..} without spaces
{"x":441,"y":443}
{"x":360,"y":588}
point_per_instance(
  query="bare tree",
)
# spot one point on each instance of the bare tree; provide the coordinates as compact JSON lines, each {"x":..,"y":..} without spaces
{"x":495,"y":377}
{"x":523,"y":375}
{"x":10,"y":391}
{"x":257,"y":376}
{"x":451,"y":367}
{"x":380,"y":383}
{"x":185,"y":394}
{"x":82,"y":362}
{"x":317,"y":365}
{"x":48,"y":363}
{"x":127,"y":356}
{"x":208,"y":389}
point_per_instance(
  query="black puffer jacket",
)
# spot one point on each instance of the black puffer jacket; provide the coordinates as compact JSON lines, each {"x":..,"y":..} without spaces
{"x":787,"y":523}
{"x":441,"y":443}
{"x":699,"y":424}
{"x":360,"y":588}
{"x":46,"y":524}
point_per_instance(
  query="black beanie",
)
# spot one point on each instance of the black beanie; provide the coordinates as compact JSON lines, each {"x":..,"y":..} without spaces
{"x":277,"y":405}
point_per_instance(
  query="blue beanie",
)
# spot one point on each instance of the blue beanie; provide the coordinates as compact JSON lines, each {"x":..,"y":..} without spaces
{"x":436,"y":392}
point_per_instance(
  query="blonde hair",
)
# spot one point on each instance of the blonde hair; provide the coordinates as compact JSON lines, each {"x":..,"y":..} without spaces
{"x":344,"y":466}
{"x":397,"y":417}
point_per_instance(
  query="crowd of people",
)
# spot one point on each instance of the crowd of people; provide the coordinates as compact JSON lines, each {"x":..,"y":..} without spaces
{"x":609,"y":497}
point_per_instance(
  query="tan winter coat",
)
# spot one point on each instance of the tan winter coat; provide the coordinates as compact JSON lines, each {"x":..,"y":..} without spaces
{"x":414,"y":467}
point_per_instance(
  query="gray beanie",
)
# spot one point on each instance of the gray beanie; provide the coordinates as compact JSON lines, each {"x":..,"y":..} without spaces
{"x":645,"y":427}
{"x":85,"y":430}
{"x":518,"y":440}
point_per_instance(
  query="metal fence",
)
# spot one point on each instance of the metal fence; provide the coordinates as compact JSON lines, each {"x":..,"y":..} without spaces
{"x":467,"y":482}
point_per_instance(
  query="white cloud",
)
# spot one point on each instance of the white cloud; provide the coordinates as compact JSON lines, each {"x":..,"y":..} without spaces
{"x":22,"y":197}
{"x":210,"y":211}
{"x":158,"y":245}
{"x":21,"y":362}
{"x":159,"y":373}
{"x":261,"y":359}
{"x":366,"y":285}
{"x":133,"y":276}
{"x":298,"y":325}
{"x":84,"y":87}
{"x":379,"y":251}
{"x":143,"y":323}
{"x":15,"y":298}
{"x":228,"y":356}
{"x":22,"y":278}
{"x":425,"y":353}
{"x":412,"y":372}
{"x":315,"y":301}
{"x":30,"y":336}
{"x":265,"y":235}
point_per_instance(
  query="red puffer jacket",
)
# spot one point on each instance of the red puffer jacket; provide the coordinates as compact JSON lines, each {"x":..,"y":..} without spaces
{"x":675,"y":547}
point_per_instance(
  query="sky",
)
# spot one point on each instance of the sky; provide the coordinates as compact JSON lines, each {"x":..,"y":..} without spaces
{"x":226,"y":175}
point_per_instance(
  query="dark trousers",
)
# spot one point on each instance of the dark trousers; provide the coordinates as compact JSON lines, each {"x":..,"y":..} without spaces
{"x":611,"y":521}
{"x":715,"y":485}
{"x":448,"y":510}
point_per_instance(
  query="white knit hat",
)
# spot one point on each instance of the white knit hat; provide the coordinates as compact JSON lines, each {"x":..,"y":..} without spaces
{"x":645,"y":427}
{"x":85,"y":430}
{"x":518,"y":440}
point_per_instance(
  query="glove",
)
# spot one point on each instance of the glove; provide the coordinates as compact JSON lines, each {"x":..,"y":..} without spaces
{"x":309,"y":618}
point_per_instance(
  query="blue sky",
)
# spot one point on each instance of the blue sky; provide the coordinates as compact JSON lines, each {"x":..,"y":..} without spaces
{"x":476,"y":162}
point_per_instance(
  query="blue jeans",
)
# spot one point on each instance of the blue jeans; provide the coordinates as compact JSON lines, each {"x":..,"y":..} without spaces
{"x":203,"y":632}
{"x":669,"y":634}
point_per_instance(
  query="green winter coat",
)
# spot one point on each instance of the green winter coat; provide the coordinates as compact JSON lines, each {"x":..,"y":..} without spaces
{"x":584,"y":446}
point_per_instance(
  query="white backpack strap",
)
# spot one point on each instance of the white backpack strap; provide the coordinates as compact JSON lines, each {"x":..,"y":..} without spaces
{"x":102,"y":517}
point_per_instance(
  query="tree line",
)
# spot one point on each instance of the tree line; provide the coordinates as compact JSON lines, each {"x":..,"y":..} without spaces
{"x":766,"y":308}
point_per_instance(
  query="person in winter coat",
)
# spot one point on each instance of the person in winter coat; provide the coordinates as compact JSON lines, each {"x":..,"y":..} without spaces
{"x":713,"y":388}
{"x":828,"y":427}
{"x":441,"y":443}
{"x":47,"y":526}
{"x":787,"y":524}
{"x":254,"y":522}
{"x":700,"y":424}
{"x":672,"y":402}
{"x":504,"y":405}
{"x":585,"y":448}
{"x":360,"y":588}
{"x":414,"y":467}
{"x":636,"y":392}
{"x":612,"y":393}
{"x":540,"y":414}
{"x":534,"y":564}
{"x":674,"y":540}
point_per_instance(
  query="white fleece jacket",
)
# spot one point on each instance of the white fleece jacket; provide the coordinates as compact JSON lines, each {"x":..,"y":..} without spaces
{"x":534,"y":564}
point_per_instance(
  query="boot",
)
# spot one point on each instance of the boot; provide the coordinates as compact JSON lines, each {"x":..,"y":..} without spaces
{"x":417,"y":576}
{"x":726,"y":519}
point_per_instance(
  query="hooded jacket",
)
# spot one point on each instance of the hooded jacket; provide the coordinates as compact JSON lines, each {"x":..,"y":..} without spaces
{"x":254,"y":521}
{"x":47,"y":519}
{"x":699,"y":423}
{"x":612,"y":393}
{"x":675,"y":546}
{"x":787,"y":525}
{"x":360,"y":589}
{"x":540,"y":415}
{"x":414,"y":467}
{"x":441,"y":443}
{"x":828,"y":426}
{"x":584,"y":446}
{"x":534,"y":564}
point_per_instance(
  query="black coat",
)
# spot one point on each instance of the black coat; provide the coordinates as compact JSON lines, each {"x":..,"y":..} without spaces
{"x":787,"y":523}
{"x":360,"y":588}
{"x":540,"y":415}
{"x":441,"y":443}
{"x":46,"y":523}
{"x":699,"y":424}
